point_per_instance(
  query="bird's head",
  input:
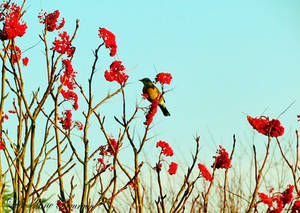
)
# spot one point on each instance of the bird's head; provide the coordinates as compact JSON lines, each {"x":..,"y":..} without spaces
{"x":146,"y":81}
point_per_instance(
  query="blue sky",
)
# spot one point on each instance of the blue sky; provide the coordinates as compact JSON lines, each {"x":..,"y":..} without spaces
{"x":228,"y":59}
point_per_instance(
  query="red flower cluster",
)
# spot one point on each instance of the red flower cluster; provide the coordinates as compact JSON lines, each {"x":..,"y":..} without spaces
{"x":109,"y":39}
{"x":265,"y":199}
{"x":114,"y":143}
{"x":204,"y":171}
{"x":13,"y":26}
{"x":107,"y":149}
{"x":15,"y":57}
{"x":287,"y":195}
{"x":280,"y":198}
{"x":15,"y":53}
{"x":63,"y":45}
{"x":2,"y":143}
{"x":298,"y":116}
{"x":151,"y":112}
{"x":102,"y":163}
{"x":70,"y":95}
{"x":4,"y":116}
{"x":79,"y":125}
{"x":61,"y":206}
{"x":116,"y":72}
{"x":296,"y":207}
{"x":68,"y":79}
{"x":50,"y":20}
{"x":173,"y":168}
{"x":163,"y":78}
{"x":66,"y":121}
{"x":222,"y":160}
{"x":262,"y":124}
{"x":25,"y":61}
{"x":165,"y":148}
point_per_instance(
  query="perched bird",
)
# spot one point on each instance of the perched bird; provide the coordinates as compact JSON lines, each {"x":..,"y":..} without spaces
{"x":154,"y":93}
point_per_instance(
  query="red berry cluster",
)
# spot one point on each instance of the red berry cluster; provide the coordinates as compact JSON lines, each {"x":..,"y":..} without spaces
{"x":266,"y":127}
{"x":116,"y":73}
{"x":109,"y":39}
{"x":13,"y":25}
{"x":50,"y":20}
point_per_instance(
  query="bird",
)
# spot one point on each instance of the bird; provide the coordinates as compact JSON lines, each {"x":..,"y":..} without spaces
{"x":153,"y":93}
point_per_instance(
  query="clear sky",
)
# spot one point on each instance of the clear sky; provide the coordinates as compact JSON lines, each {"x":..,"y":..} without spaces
{"x":228,"y":58}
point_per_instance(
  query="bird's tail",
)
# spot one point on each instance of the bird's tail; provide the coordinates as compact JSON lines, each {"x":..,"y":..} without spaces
{"x":164,"y":110}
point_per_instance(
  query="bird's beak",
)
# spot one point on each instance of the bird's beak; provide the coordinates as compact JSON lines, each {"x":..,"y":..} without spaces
{"x":141,"y":80}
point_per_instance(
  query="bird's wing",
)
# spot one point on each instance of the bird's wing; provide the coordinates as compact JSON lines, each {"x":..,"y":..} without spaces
{"x":154,"y":93}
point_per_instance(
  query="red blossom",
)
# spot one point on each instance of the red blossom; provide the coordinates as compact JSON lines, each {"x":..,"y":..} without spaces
{"x":163,"y":78}
{"x":173,"y":168}
{"x":15,"y":53}
{"x":168,"y":151}
{"x":66,"y":121}
{"x":79,"y":125}
{"x":4,"y":116}
{"x":12,"y":111}
{"x":262,"y":124}
{"x":279,"y":205}
{"x":266,"y":199}
{"x":222,"y":160}
{"x":298,"y":116}
{"x":116,"y":72}
{"x":109,"y":39}
{"x":2,"y":144}
{"x":151,"y":112}
{"x":15,"y":57}
{"x":162,"y":144}
{"x":204,"y":171}
{"x":281,"y":199}
{"x":68,"y":78}
{"x":102,"y":163}
{"x":13,"y":26}
{"x":113,"y":143}
{"x":296,"y":207}
{"x":61,"y":206}
{"x":70,"y":95}
{"x":165,"y":148}
{"x":132,"y":184}
{"x":63,"y":45}
{"x":287,"y":195}
{"x":50,"y":20}
{"x":25,"y":61}
{"x":102,"y":150}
